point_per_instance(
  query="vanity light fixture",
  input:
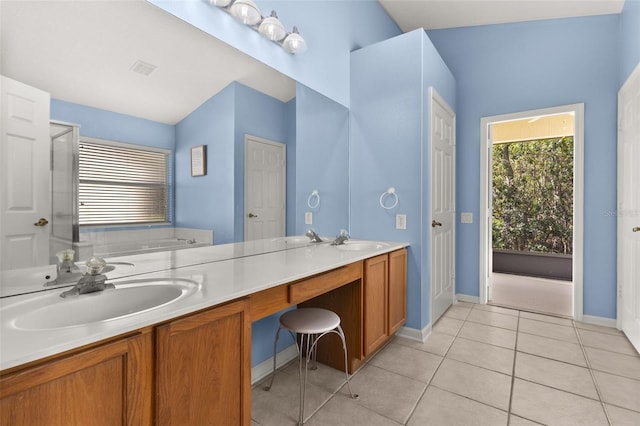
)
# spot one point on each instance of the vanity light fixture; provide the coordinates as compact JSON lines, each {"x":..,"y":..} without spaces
{"x":270,"y":26}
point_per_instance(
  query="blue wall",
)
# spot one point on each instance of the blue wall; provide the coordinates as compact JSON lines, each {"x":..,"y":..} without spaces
{"x":389,"y":133}
{"x":322,"y":162}
{"x":507,"y":68}
{"x":332,"y":30}
{"x":629,"y":38}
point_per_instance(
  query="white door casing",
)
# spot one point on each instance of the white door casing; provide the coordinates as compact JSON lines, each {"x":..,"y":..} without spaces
{"x":25,"y":193}
{"x":629,"y":208}
{"x":486,"y":211}
{"x":265,"y":188}
{"x":443,"y":210}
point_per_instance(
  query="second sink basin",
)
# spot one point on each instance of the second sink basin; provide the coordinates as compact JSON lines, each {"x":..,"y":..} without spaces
{"x":133,"y":297}
{"x":361,"y":245}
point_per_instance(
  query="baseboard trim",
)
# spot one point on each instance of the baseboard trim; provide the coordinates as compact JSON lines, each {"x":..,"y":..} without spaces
{"x":603,"y":321}
{"x":467,"y":298}
{"x":265,"y":368}
{"x":414,"y":333}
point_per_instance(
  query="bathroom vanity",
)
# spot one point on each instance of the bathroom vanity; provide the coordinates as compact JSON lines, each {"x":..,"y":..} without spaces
{"x":189,"y":361}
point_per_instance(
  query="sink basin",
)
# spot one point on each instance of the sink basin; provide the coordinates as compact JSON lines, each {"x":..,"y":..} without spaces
{"x":50,"y":311}
{"x":294,"y":239}
{"x":361,"y":245}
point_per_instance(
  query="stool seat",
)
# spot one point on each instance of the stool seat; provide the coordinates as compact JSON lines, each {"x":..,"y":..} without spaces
{"x":310,"y":320}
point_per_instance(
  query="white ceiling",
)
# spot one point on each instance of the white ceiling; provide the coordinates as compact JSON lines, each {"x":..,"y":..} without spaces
{"x":81,"y":51}
{"x":437,"y":14}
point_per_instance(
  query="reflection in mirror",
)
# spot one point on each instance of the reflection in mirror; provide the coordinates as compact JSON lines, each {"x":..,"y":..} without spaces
{"x":193,"y":90}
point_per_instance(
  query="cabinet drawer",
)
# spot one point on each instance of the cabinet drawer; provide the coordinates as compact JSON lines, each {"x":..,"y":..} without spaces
{"x":320,"y":284}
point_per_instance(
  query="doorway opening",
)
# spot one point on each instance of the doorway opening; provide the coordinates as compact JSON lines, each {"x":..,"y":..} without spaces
{"x":531,"y":213}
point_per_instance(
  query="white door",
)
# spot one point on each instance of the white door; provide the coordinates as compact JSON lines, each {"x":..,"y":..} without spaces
{"x":265,"y":186}
{"x":629,"y":208}
{"x":443,"y":211}
{"x":25,"y":200}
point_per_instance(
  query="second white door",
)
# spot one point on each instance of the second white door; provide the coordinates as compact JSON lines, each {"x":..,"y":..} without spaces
{"x":265,"y":189}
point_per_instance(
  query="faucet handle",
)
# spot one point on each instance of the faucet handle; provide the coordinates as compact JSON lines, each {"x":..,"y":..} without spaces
{"x":344,"y":233}
{"x":95,"y":265}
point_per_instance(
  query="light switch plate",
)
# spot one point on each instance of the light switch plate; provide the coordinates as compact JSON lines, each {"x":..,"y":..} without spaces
{"x":466,"y":217}
{"x":401,"y":221}
{"x":308,"y":218}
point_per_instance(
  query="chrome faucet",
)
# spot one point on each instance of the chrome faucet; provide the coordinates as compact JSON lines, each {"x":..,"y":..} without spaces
{"x":66,"y":270}
{"x":313,"y":236}
{"x":340,"y":239}
{"x":91,"y":281}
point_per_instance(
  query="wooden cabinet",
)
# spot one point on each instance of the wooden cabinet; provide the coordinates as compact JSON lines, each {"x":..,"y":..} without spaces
{"x":375,"y":295}
{"x":110,"y":384}
{"x":384,"y":298}
{"x":204,"y":368}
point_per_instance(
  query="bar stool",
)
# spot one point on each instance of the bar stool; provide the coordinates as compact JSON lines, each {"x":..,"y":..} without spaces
{"x":310,"y":324}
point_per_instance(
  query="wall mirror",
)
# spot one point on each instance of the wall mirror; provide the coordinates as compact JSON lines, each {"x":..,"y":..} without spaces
{"x":133,"y":58}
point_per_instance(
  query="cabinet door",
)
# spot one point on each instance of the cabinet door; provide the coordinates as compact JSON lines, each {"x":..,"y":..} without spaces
{"x":375,"y":302}
{"x":203,"y":368}
{"x":397,"y":290}
{"x":107,"y":385}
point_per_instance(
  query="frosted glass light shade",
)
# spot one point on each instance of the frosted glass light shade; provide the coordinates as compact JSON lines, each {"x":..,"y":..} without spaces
{"x":246,"y":11}
{"x":220,"y":3}
{"x":294,"y":43}
{"x":272,"y":28}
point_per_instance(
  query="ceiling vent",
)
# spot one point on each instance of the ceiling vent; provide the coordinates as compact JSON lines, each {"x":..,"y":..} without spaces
{"x":142,"y":67}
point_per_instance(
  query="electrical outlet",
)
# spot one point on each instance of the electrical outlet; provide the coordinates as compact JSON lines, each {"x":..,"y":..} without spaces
{"x":401,"y":221}
{"x":308,"y":218}
{"x":466,"y":217}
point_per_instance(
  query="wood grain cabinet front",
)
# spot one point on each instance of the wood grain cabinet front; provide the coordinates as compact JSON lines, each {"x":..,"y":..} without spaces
{"x":110,"y":384}
{"x":204,"y":368}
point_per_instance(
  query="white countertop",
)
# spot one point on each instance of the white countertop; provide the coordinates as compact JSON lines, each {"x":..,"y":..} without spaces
{"x":222,"y":273}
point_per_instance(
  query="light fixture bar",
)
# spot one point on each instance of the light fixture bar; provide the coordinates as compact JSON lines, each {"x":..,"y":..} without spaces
{"x":247,"y":12}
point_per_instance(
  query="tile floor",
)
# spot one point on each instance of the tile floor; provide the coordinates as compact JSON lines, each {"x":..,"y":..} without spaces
{"x":482,"y":365}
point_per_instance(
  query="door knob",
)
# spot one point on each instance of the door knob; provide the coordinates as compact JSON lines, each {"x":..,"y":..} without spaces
{"x":435,"y":223}
{"x":41,"y":222}
{"x":251,"y":215}
{"x":636,"y":228}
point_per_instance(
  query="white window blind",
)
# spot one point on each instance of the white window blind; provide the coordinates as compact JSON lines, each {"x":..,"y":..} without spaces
{"x":121,"y":185}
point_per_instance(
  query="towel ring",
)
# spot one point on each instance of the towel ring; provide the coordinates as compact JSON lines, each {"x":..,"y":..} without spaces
{"x":313,"y":195}
{"x":390,"y":192}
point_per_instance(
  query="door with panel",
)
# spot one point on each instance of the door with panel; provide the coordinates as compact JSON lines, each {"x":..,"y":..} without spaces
{"x":443,"y":211}
{"x":629,"y":208}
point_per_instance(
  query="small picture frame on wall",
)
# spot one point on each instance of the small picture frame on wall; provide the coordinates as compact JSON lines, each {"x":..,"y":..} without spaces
{"x":199,"y":160}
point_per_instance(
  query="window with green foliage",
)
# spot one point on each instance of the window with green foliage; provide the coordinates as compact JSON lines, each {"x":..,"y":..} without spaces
{"x":121,"y":184}
{"x":533,"y":196}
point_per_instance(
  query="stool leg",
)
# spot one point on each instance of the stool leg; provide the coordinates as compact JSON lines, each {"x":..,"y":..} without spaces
{"x":275,"y":346}
{"x":346,"y":360}
{"x":304,"y":338}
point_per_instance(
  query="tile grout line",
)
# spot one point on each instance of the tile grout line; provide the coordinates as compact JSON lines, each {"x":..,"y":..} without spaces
{"x":593,"y":377}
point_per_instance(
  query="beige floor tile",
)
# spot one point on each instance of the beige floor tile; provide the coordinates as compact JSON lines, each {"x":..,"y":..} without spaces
{"x":551,"y":348}
{"x":457,"y":312}
{"x":341,"y":411}
{"x":324,"y":377}
{"x":555,"y":374}
{"x":618,"y":390}
{"x":438,"y":407}
{"x":554,"y":407}
{"x":280,"y":405}
{"x":254,"y":423}
{"x":614,"y":363}
{"x":600,"y":328}
{"x":497,"y":309}
{"x":621,"y":417}
{"x":606,"y":341}
{"x":519,"y":421}
{"x":494,"y":319}
{"x":487,"y":334}
{"x":447,"y":325}
{"x":474,"y":382}
{"x":482,"y":355}
{"x":409,"y":362}
{"x":546,"y":318}
{"x":553,"y":331}
{"x":436,"y":343}
{"x":388,"y":394}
